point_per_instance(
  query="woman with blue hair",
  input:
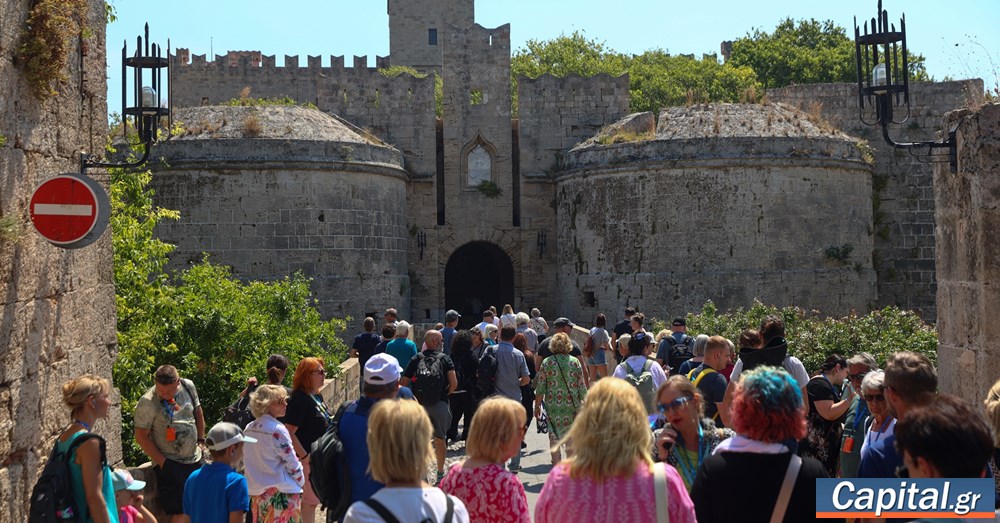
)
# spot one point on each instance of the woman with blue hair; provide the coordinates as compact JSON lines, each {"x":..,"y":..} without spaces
{"x":768,"y":418}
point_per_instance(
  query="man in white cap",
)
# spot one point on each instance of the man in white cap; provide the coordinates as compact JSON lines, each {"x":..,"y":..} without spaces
{"x":381,"y":375}
{"x":216,"y":493}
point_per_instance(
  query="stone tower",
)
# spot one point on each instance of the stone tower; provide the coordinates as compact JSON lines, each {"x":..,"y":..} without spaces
{"x":419,"y":29}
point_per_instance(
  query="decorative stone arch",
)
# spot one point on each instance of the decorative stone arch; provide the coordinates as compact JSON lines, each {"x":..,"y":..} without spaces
{"x":479,"y":162}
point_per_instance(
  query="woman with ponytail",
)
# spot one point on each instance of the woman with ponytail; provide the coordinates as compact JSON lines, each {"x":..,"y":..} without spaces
{"x":93,"y":490}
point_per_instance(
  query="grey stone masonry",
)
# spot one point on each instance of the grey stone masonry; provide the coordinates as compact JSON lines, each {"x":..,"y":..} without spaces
{"x":57,"y":308}
{"x":967,"y":213}
{"x":419,"y":29}
{"x":903,"y":197}
{"x":398,"y":110}
{"x":555,"y":114}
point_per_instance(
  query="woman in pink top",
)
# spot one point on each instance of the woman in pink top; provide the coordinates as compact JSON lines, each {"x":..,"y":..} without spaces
{"x":491,"y":494}
{"x":610,"y":475}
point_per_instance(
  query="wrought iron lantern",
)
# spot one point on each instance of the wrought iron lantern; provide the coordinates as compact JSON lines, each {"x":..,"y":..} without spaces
{"x":884,"y":81}
{"x":150,"y":99}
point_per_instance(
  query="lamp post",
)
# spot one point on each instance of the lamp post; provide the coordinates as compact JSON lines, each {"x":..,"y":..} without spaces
{"x":884,"y":80}
{"x":150,"y":99}
{"x":541,"y":243}
{"x":421,"y":242}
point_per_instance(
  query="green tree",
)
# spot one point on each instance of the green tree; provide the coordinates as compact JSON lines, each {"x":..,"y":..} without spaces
{"x":657,"y":79}
{"x":805,"y":52}
{"x":214,"y":328}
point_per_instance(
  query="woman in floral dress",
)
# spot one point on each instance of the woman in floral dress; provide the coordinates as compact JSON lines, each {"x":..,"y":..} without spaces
{"x":489,"y":491}
{"x":274,"y":474}
{"x":560,"y":388}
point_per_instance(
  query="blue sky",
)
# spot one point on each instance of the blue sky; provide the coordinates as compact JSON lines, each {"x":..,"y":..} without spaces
{"x":960,"y":38}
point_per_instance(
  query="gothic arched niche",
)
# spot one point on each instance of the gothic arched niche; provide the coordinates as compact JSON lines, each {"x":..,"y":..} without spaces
{"x":478,"y":159}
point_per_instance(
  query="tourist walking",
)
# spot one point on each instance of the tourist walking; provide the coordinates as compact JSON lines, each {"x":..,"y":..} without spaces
{"x":274,"y":475}
{"x":433,"y":378}
{"x":307,"y":418}
{"x":463,"y":401}
{"x":490,"y":493}
{"x":611,"y":476}
{"x":883,"y":423}
{"x":216,"y":493}
{"x":597,"y":350}
{"x":399,"y":435}
{"x":401,"y":347}
{"x":364,"y":345}
{"x":684,"y":436}
{"x":742,"y":479}
{"x":828,"y":404}
{"x":560,"y":391}
{"x":538,"y":324}
{"x":90,"y":477}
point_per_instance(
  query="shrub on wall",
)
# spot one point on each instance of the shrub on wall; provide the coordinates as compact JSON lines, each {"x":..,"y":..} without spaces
{"x":216,"y":329}
{"x":812,"y":337}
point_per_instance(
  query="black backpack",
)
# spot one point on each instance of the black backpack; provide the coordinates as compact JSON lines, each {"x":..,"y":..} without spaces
{"x":429,"y":380}
{"x":486,"y":372}
{"x":331,"y":477}
{"x":52,"y":498}
{"x":239,"y":411}
{"x":679,"y":352}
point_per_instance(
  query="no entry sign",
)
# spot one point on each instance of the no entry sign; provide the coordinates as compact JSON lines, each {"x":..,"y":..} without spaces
{"x":70,"y":210}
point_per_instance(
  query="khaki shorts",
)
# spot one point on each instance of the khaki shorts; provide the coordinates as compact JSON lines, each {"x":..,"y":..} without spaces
{"x":440,"y":416}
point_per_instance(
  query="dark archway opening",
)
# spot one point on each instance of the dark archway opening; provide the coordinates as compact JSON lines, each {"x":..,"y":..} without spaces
{"x":478,"y":274}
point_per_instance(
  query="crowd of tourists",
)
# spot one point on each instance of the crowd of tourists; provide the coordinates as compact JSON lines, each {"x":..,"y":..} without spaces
{"x":641,"y":427}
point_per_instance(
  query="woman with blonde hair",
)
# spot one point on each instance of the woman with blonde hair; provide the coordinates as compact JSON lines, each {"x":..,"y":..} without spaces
{"x":90,"y":476}
{"x":489,"y":491}
{"x":399,"y":442}
{"x":508,"y":317}
{"x":684,"y":436}
{"x":274,"y":474}
{"x":560,"y":388}
{"x":611,"y":476}
{"x":307,"y":418}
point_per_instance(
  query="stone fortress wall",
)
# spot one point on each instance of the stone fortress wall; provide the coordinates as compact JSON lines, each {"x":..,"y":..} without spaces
{"x":903,"y":197}
{"x":57,"y":310}
{"x":554,"y":115}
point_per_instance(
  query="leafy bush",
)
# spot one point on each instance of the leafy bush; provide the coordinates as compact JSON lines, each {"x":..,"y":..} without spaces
{"x":812,"y":337}
{"x":214,"y":328}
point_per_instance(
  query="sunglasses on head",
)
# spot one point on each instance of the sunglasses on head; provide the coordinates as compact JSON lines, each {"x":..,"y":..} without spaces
{"x":673,"y":405}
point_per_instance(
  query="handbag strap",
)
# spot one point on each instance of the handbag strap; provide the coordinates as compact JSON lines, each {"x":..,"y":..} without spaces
{"x":566,"y":382}
{"x":785,"y":495}
{"x":660,"y":485}
{"x":388,"y":516}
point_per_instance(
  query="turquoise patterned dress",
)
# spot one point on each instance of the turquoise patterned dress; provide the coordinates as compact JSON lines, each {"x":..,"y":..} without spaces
{"x":560,"y":383}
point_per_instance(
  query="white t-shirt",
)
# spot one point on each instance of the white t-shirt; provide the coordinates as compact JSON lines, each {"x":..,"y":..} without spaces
{"x":482,"y":326}
{"x":508,"y":319}
{"x":636,"y":363}
{"x":791,"y":364}
{"x":408,"y":504}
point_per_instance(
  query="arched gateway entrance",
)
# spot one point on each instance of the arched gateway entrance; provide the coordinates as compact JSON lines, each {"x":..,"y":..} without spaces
{"x":478,"y":274}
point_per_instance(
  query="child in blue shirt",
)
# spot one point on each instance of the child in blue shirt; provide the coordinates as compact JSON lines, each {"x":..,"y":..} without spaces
{"x":216,"y":493}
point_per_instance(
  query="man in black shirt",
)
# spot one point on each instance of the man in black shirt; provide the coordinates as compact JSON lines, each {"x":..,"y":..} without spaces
{"x":364,"y":345}
{"x":621,"y":328}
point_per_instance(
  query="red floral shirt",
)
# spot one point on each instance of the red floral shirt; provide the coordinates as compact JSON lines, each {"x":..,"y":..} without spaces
{"x":491,"y":494}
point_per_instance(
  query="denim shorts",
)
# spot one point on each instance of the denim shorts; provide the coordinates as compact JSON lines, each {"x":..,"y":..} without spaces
{"x":600,"y":357}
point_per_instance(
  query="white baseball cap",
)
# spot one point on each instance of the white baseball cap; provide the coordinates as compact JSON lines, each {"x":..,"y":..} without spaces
{"x":382,"y":368}
{"x":224,"y":435}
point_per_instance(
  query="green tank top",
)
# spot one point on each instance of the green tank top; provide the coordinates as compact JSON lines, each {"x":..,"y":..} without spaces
{"x":76,"y":475}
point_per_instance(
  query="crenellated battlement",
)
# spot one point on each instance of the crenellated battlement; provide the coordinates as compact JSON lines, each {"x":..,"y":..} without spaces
{"x":479,"y":36}
{"x":268,"y":64}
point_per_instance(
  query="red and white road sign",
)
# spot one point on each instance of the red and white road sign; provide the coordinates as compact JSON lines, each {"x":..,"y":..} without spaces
{"x":69,"y":210}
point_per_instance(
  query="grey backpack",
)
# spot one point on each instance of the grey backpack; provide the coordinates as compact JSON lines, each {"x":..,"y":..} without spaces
{"x":643,"y":382}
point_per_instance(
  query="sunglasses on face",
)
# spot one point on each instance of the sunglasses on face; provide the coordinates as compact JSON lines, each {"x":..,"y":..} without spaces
{"x":875,"y":397}
{"x":853,"y":377}
{"x":673,"y":405}
{"x":321,"y":372}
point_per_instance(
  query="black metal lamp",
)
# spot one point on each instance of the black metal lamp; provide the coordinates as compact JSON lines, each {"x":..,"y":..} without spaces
{"x":884,"y":80}
{"x":421,"y":242}
{"x":541,"y":243}
{"x":149,"y":92}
